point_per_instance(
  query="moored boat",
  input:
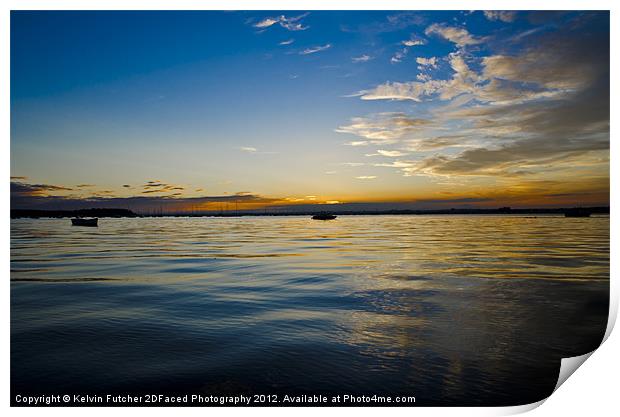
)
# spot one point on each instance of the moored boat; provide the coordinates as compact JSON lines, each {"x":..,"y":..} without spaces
{"x":324,"y":216}
{"x":84,"y":222}
{"x":576,"y":212}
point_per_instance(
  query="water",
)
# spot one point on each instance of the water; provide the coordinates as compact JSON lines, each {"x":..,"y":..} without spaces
{"x":455,"y":310}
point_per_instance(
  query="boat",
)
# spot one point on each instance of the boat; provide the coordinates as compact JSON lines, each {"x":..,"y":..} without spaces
{"x":84,"y":222}
{"x":324,"y":216}
{"x":576,"y":212}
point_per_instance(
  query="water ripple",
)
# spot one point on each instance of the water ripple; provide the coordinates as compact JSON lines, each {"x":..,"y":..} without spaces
{"x":453,"y":309}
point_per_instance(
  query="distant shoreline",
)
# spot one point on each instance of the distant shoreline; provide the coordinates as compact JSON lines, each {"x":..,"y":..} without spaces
{"x":124,"y":213}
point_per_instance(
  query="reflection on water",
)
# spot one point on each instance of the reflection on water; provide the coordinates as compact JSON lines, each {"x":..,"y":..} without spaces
{"x":451,"y":309}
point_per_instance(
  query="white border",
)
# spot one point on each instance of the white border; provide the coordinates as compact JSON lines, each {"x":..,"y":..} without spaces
{"x":591,"y":391}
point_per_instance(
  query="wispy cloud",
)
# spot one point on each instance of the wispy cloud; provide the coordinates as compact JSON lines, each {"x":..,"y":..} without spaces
{"x":383,"y":128}
{"x":396,"y":164}
{"x":315,"y":49}
{"x":459,"y":36}
{"x":503,"y":15}
{"x":383,"y":152}
{"x":387,"y":153}
{"x":358,"y":143}
{"x":366,"y":177}
{"x":399,"y":56}
{"x":392,"y":23}
{"x":265,"y":23}
{"x":157,"y":186}
{"x":287,"y":42}
{"x":414,"y":41}
{"x":361,"y":58}
{"x":436,"y":143}
{"x":289,"y":23}
{"x":249,"y":149}
{"x":253,"y":150}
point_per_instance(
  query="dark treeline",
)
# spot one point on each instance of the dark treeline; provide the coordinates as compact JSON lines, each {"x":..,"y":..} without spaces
{"x":92,"y":212}
{"x":106,"y":212}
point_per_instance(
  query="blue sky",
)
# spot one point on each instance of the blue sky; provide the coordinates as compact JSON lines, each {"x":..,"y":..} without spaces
{"x":298,"y":107}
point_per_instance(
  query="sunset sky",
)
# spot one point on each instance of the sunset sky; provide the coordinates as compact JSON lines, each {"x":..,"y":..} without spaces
{"x":192,"y":110}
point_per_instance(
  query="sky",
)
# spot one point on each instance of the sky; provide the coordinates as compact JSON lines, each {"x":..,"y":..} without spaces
{"x":206,"y":110}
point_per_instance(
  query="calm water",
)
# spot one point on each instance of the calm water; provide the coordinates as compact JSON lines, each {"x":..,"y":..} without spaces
{"x":451,"y":309}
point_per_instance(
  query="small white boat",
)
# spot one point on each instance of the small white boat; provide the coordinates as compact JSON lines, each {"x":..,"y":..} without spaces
{"x":84,"y":222}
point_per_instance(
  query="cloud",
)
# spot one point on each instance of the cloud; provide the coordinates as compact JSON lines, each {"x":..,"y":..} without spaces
{"x":402,"y":91}
{"x":547,"y":134}
{"x":366,"y":177}
{"x":402,"y":53}
{"x":253,"y":150}
{"x":403,"y":20}
{"x":155,"y":183}
{"x":459,"y":36}
{"x":383,"y":152}
{"x":414,"y":42}
{"x":512,"y":159}
{"x":541,"y":109}
{"x":504,"y":16}
{"x":392,"y":23}
{"x":287,"y":42}
{"x":289,"y":23}
{"x":315,"y":49}
{"x":19,"y":178}
{"x":437,"y":143}
{"x":157,"y":186}
{"x":533,"y":75}
{"x":396,"y":164}
{"x":249,"y":149}
{"x":427,"y":62}
{"x":455,"y":200}
{"x":47,"y":197}
{"x":265,"y":23}
{"x":358,"y":143}
{"x":463,"y":81}
{"x":383,"y":128}
{"x":549,"y":130}
{"x":24,"y":189}
{"x":293,"y":23}
{"x":399,"y":56}
{"x":361,"y":58}
{"x":552,"y":69}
